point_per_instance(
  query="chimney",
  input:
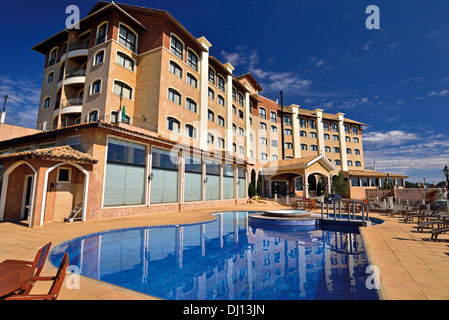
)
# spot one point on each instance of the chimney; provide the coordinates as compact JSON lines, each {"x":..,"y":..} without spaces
{"x":2,"y":116}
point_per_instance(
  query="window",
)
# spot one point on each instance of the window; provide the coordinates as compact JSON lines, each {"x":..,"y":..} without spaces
{"x":302,"y":133}
{"x":164,"y":172}
{"x":211,"y":94}
{"x":335,"y":137}
{"x":274,"y":129}
{"x":355,"y":140}
{"x":241,"y":182}
{"x":175,"y":69}
{"x":337,"y":162}
{"x":303,"y":146}
{"x":210,"y":115}
{"x":274,"y":143}
{"x":288,"y":145}
{"x":312,"y":135}
{"x":263,"y":156}
{"x":193,"y":178}
{"x":250,"y":107}
{"x":46,"y":103}
{"x":355,"y":182}
{"x":190,"y":131}
{"x":263,"y":141}
{"x":96,"y":87}
{"x":274,"y":157}
{"x":314,"y":147}
{"x":241,"y":100}
{"x":221,"y":100}
{"x":64,"y":174}
{"x":192,"y":60}
{"x":312,"y":124}
{"x":221,"y":142}
{"x":348,"y":139}
{"x":273,"y":116}
{"x":121,"y":88}
{"x":355,"y":130}
{"x":358,"y":164}
{"x":336,"y":149}
{"x":210,"y":138}
{"x":126,"y":62}
{"x":125,"y":178}
{"x":127,"y":38}
{"x":52,"y":57}
{"x":327,"y":149}
{"x":262,"y":113}
{"x":101,"y":33}
{"x":99,"y":58}
{"x":234,"y":147}
{"x":234,"y":109}
{"x":211,"y":75}
{"x":349,"y":163}
{"x":221,"y":121}
{"x":241,"y":114}
{"x":234,"y":94}
{"x":191,"y":105}
{"x":356,"y":151}
{"x":93,"y":116}
{"x":263,"y":125}
{"x":176,"y":47}
{"x":221,"y":83}
{"x":327,"y":136}
{"x":302,"y":123}
{"x":287,"y":120}
{"x":50,"y":77}
{"x":334,"y":127}
{"x":174,"y":96}
{"x":325,"y":126}
{"x":228,"y":181}
{"x":241,"y":132}
{"x":346,"y":128}
{"x":234,"y":128}
{"x":74,"y":142}
{"x":192,"y":80}
{"x":241,"y":150}
{"x":173,"y":125}
{"x":348,"y":151}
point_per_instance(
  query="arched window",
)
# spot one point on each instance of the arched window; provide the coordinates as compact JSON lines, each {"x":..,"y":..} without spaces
{"x":93,"y":116}
{"x":192,"y":60}
{"x":121,"y":88}
{"x":125,"y":61}
{"x":314,"y":147}
{"x":241,"y":100}
{"x":52,"y":57}
{"x":210,"y":115}
{"x":191,"y":105}
{"x":95,"y":87}
{"x":221,"y":83}
{"x":288,"y":145}
{"x":221,"y":121}
{"x":174,"y":96}
{"x":175,"y":69}
{"x":211,"y":75}
{"x":46,"y":103}
{"x":176,"y":47}
{"x":127,"y":38}
{"x":173,"y":125}
{"x":190,"y":131}
{"x":210,"y":138}
{"x":99,"y":57}
{"x":101,"y":33}
{"x":262,"y":113}
{"x":273,"y":116}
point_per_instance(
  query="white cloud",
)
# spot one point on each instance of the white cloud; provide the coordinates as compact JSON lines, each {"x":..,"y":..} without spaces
{"x":394,"y":137}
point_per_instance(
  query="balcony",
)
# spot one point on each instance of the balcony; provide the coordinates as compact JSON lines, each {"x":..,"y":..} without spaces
{"x":76,"y":50}
{"x":70,"y":105}
{"x":73,"y":77}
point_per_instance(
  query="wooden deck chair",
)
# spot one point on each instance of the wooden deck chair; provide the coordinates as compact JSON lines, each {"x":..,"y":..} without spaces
{"x":53,"y":293}
{"x":37,"y":264}
{"x":422,"y":214}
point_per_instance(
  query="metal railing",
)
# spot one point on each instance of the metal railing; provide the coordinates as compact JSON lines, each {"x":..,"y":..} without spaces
{"x":350,"y":206}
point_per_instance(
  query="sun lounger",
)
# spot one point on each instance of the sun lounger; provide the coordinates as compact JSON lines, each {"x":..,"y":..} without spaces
{"x":441,"y":221}
{"x":423,"y":214}
{"x":75,"y":214}
{"x":438,"y":231}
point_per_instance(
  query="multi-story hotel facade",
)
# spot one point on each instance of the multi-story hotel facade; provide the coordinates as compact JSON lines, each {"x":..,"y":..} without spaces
{"x":137,"y":116}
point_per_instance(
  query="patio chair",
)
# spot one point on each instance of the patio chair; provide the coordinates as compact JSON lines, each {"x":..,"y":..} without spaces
{"x":440,"y":220}
{"x":75,"y":214}
{"x":37,"y":264}
{"x":53,"y":293}
{"x":403,"y":211}
{"x":422,"y":214}
{"x":294,"y":204}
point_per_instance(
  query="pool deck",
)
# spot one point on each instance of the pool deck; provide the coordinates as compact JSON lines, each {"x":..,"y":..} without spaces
{"x":412,"y":267}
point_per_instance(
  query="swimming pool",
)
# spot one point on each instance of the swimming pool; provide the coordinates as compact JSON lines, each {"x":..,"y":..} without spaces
{"x":229,"y":258}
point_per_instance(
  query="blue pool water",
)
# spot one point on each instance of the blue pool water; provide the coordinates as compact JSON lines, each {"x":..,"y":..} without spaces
{"x":229,"y":258}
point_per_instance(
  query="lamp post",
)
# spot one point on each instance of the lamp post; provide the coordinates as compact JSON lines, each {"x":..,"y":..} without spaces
{"x":119,"y":115}
{"x":4,"y":105}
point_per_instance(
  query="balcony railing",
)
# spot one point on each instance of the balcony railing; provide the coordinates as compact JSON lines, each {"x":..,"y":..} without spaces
{"x":73,"y":73}
{"x":78,"y":46}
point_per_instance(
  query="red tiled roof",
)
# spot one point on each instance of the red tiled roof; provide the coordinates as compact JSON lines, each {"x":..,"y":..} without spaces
{"x":55,"y":153}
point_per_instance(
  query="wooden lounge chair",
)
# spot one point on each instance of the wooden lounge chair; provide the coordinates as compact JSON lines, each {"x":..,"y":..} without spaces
{"x":403,"y":211}
{"x":53,"y":293}
{"x":422,"y":214}
{"x":438,"y":231}
{"x":440,"y":220}
{"x":37,"y":264}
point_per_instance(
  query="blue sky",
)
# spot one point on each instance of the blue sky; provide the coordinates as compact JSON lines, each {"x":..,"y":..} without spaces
{"x":318,"y":52}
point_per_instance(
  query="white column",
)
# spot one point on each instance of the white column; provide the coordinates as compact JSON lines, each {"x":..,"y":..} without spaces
{"x":320,"y":130}
{"x":296,"y":130}
{"x":204,"y":102}
{"x":229,"y":133}
{"x":2,"y":116}
{"x":247,"y":126}
{"x":342,"y":135}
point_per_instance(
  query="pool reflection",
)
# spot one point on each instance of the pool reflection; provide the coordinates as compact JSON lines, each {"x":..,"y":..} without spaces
{"x":226,"y":259}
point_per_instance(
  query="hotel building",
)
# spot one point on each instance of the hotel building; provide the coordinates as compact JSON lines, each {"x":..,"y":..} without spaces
{"x":137,"y":116}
